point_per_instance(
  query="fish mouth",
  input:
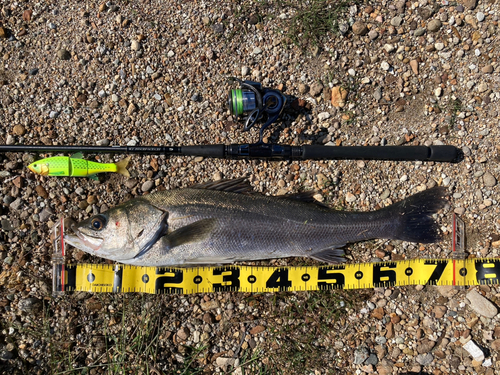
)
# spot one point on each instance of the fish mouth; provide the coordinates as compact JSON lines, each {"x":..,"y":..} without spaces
{"x":83,"y":241}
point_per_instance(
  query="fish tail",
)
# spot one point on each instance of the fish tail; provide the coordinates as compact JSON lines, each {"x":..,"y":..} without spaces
{"x":121,"y":167}
{"x":414,"y":222}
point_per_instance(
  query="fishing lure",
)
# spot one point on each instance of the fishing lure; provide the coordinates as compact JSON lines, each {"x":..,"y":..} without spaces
{"x":76,"y":166}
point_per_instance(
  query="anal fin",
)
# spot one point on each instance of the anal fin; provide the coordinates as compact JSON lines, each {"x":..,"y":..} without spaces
{"x":330,"y":255}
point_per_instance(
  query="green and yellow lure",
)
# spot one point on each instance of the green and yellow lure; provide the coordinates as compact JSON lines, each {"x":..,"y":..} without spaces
{"x":76,"y":166}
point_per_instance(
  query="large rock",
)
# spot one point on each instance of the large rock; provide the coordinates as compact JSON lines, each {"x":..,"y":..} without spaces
{"x":63,"y":54}
{"x":470,"y":4}
{"x":359,"y":28}
{"x":481,"y":305}
{"x":339,"y":95}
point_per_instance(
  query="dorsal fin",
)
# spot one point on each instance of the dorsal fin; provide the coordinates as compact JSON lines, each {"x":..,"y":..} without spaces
{"x":242,"y":186}
{"x":78,"y":155}
{"x":237,"y":185}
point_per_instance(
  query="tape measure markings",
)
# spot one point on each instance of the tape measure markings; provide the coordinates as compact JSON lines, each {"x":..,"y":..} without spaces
{"x":125,"y":278}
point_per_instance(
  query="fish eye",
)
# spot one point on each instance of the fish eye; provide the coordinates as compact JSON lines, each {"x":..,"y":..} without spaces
{"x":98,"y":223}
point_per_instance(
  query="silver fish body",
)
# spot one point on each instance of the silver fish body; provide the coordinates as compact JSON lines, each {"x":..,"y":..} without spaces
{"x":205,"y":226}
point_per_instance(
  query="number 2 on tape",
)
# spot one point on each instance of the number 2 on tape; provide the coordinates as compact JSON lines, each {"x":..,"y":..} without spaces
{"x":164,"y":283}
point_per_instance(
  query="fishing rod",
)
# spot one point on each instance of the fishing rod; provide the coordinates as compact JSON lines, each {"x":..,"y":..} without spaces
{"x":443,"y":153}
{"x":252,"y":104}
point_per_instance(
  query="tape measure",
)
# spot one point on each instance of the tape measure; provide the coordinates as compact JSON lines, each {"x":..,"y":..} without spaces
{"x":119,"y":278}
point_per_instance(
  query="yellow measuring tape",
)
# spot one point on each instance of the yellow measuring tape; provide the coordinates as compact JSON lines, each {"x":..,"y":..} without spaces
{"x":108,"y":278}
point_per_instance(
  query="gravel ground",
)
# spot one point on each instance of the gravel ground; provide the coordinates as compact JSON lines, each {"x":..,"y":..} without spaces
{"x":155,"y":72}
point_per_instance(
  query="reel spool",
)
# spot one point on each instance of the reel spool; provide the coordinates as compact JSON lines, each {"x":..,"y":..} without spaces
{"x":252,"y":103}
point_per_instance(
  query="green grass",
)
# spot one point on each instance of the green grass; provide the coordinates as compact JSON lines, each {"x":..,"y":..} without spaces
{"x":139,"y":340}
{"x":125,"y":350}
{"x":308,"y":319}
{"x":352,"y":85}
{"x":134,"y":344}
{"x":190,"y":368}
{"x":313,"y":20}
{"x":454,"y":106}
{"x":250,"y":363}
{"x":128,"y":334}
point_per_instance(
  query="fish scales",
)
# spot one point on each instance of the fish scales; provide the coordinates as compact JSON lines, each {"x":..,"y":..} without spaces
{"x":251,"y":227}
{"x":207,"y":226}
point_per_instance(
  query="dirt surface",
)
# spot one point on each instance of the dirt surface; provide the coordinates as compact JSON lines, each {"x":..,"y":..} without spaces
{"x":155,"y":73}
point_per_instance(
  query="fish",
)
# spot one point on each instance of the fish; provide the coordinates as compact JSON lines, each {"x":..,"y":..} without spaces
{"x":76,"y":166}
{"x":225,"y":222}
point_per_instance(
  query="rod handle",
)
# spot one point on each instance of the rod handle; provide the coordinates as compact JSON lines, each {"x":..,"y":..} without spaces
{"x":445,"y":153}
{"x":398,"y":153}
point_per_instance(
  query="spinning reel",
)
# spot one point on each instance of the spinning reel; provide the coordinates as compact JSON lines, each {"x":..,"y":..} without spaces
{"x":252,"y":103}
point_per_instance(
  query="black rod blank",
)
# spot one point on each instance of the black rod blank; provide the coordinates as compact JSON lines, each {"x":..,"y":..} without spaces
{"x":443,"y":153}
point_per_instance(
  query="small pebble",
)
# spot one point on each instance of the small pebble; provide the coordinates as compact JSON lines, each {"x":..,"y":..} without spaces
{"x":489,"y":180}
{"x":434,"y":25}
{"x":63,"y":54}
{"x":135,"y":45}
{"x":147,"y":186}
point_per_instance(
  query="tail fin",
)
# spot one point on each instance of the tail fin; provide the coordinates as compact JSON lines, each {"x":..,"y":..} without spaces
{"x":121,"y":167}
{"x":414,"y":221}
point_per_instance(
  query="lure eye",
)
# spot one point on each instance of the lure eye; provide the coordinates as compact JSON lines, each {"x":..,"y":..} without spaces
{"x":98,"y":223}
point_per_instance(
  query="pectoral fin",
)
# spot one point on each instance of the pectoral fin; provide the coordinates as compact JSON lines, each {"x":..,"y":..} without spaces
{"x":331,"y":255}
{"x":193,"y":232}
{"x":93,"y":177}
